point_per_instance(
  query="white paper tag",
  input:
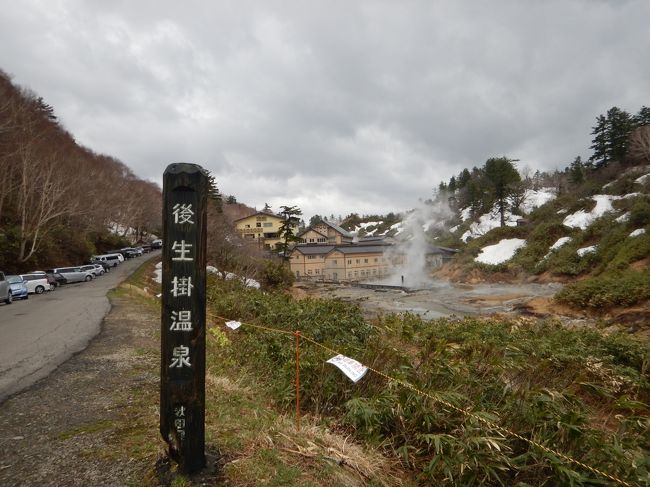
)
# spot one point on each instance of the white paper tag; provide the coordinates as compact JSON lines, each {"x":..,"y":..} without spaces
{"x":350,"y":367}
{"x":233,"y":325}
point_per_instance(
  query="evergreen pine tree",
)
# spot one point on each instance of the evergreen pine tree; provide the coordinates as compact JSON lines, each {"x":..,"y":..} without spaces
{"x":642,"y":117}
{"x":620,"y":125}
{"x":463,"y":178}
{"x":290,"y":222}
{"x":452,"y":184}
{"x":577,"y":171}
{"x":502,"y":177}
{"x":600,"y":156}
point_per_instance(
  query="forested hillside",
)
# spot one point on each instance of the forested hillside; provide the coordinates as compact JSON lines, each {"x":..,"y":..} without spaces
{"x":58,"y":199}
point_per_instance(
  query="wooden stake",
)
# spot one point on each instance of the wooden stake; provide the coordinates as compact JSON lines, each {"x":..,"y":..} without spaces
{"x":297,"y":334}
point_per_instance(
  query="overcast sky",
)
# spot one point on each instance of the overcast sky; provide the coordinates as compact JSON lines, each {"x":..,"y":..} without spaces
{"x":332,"y":106}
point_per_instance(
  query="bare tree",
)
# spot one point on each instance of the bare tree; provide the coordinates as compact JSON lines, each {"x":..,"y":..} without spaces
{"x":639,"y":144}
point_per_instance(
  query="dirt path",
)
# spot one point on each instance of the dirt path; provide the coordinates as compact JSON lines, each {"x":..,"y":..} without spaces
{"x":66,"y":430}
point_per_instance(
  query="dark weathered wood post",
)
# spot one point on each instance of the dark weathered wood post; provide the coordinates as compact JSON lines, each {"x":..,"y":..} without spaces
{"x":182,"y":368}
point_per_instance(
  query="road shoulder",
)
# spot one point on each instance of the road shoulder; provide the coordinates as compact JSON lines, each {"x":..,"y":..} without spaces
{"x":67,"y":429}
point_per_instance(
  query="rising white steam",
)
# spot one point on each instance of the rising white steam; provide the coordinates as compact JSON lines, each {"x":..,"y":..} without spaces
{"x":413,"y":245}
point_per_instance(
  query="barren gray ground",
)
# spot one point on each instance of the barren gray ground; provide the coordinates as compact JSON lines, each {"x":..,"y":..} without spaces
{"x":442,"y":299}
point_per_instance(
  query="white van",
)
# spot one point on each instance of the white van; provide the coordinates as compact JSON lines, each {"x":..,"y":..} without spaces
{"x":111,"y":259}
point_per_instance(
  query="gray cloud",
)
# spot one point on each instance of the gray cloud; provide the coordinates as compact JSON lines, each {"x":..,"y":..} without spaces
{"x":335,"y":106}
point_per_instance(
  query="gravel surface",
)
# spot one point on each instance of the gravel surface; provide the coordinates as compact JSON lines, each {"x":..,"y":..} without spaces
{"x":65,"y":430}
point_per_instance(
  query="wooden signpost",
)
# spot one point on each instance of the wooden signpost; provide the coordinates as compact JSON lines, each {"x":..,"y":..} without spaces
{"x":182,"y":368}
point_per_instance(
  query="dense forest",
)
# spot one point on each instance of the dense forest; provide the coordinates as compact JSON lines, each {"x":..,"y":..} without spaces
{"x":59,"y":201}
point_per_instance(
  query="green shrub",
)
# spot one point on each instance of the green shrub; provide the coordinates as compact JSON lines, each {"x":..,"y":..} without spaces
{"x":535,"y":378}
{"x":630,"y":250}
{"x":621,"y":289}
{"x":639,"y":214}
{"x":531,"y":257}
{"x":276,"y":275}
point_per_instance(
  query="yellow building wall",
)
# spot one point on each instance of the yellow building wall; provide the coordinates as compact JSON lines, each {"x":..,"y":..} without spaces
{"x":307,"y":265}
{"x":333,"y":237}
{"x":253,"y":228}
{"x":336,"y":266}
{"x":312,"y":237}
{"x":366,"y":265}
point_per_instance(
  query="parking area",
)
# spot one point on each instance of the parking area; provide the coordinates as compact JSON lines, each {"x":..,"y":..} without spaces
{"x":41,"y":332}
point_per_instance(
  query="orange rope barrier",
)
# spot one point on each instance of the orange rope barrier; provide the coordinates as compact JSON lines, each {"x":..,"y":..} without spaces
{"x":411,"y":387}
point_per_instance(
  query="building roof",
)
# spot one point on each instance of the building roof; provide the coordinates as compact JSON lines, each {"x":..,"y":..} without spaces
{"x":360,"y":249}
{"x":313,"y":249}
{"x":441,"y":250}
{"x":378,"y":240}
{"x":260,"y":213}
{"x":343,"y":232}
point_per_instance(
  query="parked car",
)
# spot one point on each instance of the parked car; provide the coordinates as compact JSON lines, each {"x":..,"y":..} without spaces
{"x":146,"y":249}
{"x":58,"y":278}
{"x":112,"y":260}
{"x":5,"y":289}
{"x":156,"y":244}
{"x":103,"y":264}
{"x":18,"y":287}
{"x":129,"y":252}
{"x":37,"y":283}
{"x":50,"y":278}
{"x":54,"y":279}
{"x":72,"y":274}
{"x":97,"y":271}
{"x":116,"y":253}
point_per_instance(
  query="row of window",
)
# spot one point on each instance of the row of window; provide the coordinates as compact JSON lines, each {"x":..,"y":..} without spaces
{"x":335,"y":261}
{"x":365,"y":261}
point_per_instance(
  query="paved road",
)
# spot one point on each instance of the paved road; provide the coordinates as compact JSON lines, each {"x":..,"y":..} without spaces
{"x":42,"y":332}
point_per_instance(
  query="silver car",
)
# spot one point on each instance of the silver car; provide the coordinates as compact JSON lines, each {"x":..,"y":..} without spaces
{"x":97,"y":270}
{"x":72,"y":274}
{"x":5,"y":289}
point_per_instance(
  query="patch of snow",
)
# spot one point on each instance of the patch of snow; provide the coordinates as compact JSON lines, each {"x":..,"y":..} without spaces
{"x":623,"y":218}
{"x":364,"y":226}
{"x":454,"y":228}
{"x":466,"y":214}
{"x":586,"y":250}
{"x":157,"y":273}
{"x":397,"y":226}
{"x":560,"y":242}
{"x":582,"y":219}
{"x":487,"y":222}
{"x":631,"y":195}
{"x":535,"y":198}
{"x":229,"y":276}
{"x":637,"y":232}
{"x":561,"y":211}
{"x":500,"y":252}
{"x":643,"y":179}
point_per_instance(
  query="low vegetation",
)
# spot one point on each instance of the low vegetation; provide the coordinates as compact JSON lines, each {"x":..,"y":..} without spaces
{"x":575,"y":391}
{"x":625,"y":288}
